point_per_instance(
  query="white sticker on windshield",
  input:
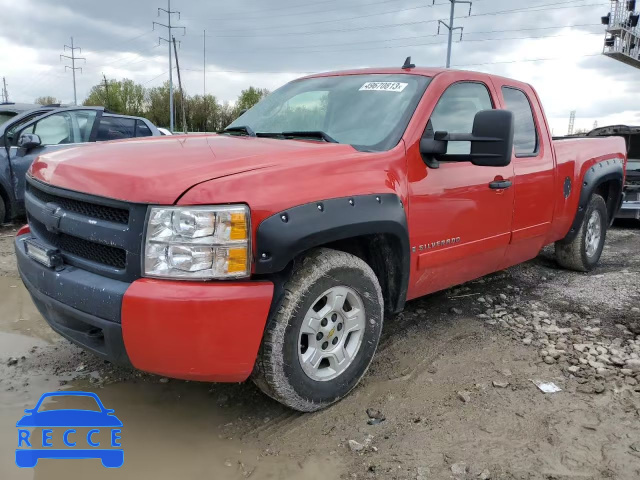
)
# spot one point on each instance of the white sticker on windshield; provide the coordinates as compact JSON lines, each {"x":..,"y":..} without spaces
{"x":384,"y":86}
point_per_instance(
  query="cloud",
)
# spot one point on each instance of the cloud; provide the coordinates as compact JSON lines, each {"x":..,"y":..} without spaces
{"x":267,"y":43}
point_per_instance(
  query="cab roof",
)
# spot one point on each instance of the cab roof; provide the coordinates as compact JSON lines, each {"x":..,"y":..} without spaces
{"x":421,"y":71}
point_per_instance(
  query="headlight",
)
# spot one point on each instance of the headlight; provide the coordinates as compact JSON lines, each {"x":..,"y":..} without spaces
{"x":198,"y":242}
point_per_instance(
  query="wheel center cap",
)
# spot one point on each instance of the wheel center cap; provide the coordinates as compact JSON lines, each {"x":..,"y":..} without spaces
{"x":333,"y":330}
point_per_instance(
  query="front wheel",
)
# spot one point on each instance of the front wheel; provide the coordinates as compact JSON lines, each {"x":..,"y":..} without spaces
{"x":583,"y":252}
{"x":321,"y":340}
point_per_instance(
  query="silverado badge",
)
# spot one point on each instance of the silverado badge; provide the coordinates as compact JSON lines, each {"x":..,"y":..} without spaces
{"x":439,"y":243}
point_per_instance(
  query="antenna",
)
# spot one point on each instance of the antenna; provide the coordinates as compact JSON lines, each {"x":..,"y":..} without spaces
{"x":407,"y":64}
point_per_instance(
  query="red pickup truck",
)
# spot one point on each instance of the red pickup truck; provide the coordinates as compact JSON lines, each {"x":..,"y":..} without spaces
{"x":274,"y":249}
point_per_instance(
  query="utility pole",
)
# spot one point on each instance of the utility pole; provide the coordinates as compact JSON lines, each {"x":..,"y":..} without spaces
{"x":572,"y":119}
{"x":73,"y":67}
{"x":5,"y":94}
{"x":204,"y":64}
{"x":449,"y":26}
{"x":106,"y":89}
{"x":169,"y":28}
{"x":184,"y":118}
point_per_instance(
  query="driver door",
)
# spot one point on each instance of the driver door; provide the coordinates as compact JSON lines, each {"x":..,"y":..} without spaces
{"x":57,"y":130}
{"x":459,"y":216}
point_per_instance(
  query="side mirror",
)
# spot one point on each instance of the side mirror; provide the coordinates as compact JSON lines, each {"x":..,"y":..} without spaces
{"x":491,"y":141}
{"x":28,"y":141}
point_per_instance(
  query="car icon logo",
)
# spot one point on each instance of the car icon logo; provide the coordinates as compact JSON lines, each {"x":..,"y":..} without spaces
{"x":68,"y":425}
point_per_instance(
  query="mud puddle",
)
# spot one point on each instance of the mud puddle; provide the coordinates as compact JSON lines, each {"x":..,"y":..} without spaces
{"x":171,"y":429}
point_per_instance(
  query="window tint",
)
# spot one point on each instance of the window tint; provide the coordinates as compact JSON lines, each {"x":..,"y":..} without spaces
{"x":456,"y":110}
{"x":525,"y":138}
{"x":115,"y":128}
{"x":64,"y":127}
{"x":142,"y":130}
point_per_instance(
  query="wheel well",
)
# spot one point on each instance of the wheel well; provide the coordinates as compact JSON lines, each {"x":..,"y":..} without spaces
{"x":383,"y":253}
{"x":610,"y":191}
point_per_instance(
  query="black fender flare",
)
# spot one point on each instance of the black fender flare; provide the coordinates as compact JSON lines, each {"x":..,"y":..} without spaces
{"x":603,"y":171}
{"x":283,"y":236}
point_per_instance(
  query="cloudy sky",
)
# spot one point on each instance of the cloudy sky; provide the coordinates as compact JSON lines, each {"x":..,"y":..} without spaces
{"x":553,"y":44}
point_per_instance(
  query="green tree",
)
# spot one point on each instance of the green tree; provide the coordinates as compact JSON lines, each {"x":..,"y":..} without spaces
{"x":157,"y":100}
{"x":202,"y":113}
{"x":249,"y":97}
{"x":120,"y":96}
{"x":46,"y":100}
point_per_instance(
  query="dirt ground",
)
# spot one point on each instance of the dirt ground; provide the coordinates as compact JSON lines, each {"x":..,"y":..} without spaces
{"x":453,"y":378}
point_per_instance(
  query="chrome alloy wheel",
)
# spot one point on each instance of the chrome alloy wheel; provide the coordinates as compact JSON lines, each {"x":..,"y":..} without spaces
{"x":331,"y":333}
{"x":594,"y":232}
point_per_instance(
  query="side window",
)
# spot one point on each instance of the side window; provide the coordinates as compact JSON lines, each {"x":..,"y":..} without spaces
{"x":64,"y":127}
{"x":525,"y":138}
{"x":11,"y":132}
{"x":55,"y":130}
{"x":456,"y":110}
{"x":142,"y":130}
{"x":115,"y":128}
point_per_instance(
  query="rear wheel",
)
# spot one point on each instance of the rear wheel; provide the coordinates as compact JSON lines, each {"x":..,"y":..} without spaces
{"x":583,"y":252}
{"x":321,"y":340}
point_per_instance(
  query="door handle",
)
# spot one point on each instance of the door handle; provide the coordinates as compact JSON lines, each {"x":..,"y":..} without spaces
{"x":500,"y":184}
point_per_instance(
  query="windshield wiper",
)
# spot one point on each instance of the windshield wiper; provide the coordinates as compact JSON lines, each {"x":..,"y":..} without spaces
{"x":310,"y":134}
{"x":240,"y":129}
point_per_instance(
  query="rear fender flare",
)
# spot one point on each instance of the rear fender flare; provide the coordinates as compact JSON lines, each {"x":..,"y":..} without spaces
{"x":596,"y":175}
{"x":283,"y":236}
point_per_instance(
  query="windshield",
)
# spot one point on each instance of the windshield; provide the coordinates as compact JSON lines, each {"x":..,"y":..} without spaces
{"x":369,"y":112}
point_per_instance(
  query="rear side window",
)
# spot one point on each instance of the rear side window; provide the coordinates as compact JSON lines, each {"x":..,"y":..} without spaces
{"x":525,"y":139}
{"x":115,"y":128}
{"x":456,"y":111}
{"x":142,"y":130}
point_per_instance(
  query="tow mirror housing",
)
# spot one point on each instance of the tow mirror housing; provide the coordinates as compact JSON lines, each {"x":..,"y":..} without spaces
{"x":491,"y":141}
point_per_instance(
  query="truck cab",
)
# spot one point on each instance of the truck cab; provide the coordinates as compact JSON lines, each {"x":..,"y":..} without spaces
{"x":275,"y":249}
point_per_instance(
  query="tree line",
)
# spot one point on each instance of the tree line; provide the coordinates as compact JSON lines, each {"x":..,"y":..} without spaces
{"x":203,"y":113}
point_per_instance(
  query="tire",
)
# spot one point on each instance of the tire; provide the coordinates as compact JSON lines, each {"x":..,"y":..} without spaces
{"x":3,"y":211}
{"x":581,"y":254}
{"x":282,"y":370}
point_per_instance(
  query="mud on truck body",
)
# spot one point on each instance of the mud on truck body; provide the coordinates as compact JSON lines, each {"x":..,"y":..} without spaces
{"x":274,"y":250}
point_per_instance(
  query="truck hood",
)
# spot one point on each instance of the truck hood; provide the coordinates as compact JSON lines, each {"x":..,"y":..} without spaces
{"x":160,"y":169}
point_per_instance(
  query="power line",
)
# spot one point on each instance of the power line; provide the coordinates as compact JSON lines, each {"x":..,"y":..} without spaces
{"x":155,"y":78}
{"x":527,"y":60}
{"x":418,"y":22}
{"x":73,"y":67}
{"x":288,"y":48}
{"x":138,"y":52}
{"x":314,"y":4}
{"x":357,"y":17}
{"x":387,"y":47}
{"x":170,"y":29}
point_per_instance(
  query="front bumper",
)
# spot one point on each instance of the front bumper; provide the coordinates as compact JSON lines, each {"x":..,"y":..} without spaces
{"x":194,"y":331}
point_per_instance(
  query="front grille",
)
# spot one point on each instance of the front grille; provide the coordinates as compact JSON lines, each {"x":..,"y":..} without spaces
{"x":96,"y":252}
{"x":102,"y":212}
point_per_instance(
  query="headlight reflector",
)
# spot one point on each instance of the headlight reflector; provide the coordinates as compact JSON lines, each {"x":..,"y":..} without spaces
{"x":198,"y":242}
